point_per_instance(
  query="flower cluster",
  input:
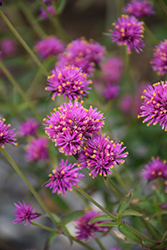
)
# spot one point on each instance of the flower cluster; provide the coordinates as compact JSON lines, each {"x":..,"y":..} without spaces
{"x":68,"y":81}
{"x":28,"y":128}
{"x":37,"y":149}
{"x":111,"y":91}
{"x":154,"y":169}
{"x":159,"y":61}
{"x":24,"y":213}
{"x":63,"y":178}
{"x":99,"y":155}
{"x":154,"y":107}
{"x":128,"y":31}
{"x":85,"y":230}
{"x":50,"y":9}
{"x":69,"y":126}
{"x":6,"y":135}
{"x":82,"y":54}
{"x":49,"y":46}
{"x":139,"y":8}
{"x":8,"y":47}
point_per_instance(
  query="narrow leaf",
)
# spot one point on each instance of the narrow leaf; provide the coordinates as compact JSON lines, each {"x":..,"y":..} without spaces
{"x":73,"y":216}
{"x":67,"y":234}
{"x":50,"y":240}
{"x":100,"y":218}
{"x":131,"y":213}
{"x":125,"y":201}
{"x":108,"y":224}
{"x":61,"y":6}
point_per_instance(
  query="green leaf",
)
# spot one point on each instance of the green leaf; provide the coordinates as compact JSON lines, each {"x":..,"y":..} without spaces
{"x":125,"y":201}
{"x":61,"y":6}
{"x":131,"y":213}
{"x":99,"y":218}
{"x":67,"y":234}
{"x":50,"y":240}
{"x":131,"y":235}
{"x":57,"y":219}
{"x":106,"y":34}
{"x":73,"y":216}
{"x":108,"y":224}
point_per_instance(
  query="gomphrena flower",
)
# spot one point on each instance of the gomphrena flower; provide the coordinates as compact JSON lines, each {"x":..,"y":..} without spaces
{"x":139,"y":8}
{"x":37,"y":149}
{"x":69,"y":126}
{"x":164,"y":206}
{"x":63,"y":178}
{"x":82,"y":54}
{"x":159,"y":61}
{"x":154,"y":107}
{"x":111,"y":91}
{"x":100,"y":155}
{"x":49,"y":46}
{"x":84,"y":229}
{"x":68,"y":81}
{"x":112,"y":70}
{"x":24,"y":213}
{"x":28,"y":128}
{"x":154,"y":169}
{"x":128,"y":31}
{"x":8,"y":47}
{"x":6,"y":135}
{"x":43,"y":13}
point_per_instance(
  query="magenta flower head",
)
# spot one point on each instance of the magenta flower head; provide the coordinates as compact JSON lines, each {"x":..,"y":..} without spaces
{"x":37,"y":149}
{"x":159,"y":61}
{"x":99,"y":155}
{"x":115,"y":248}
{"x":154,"y":105}
{"x":154,"y":169}
{"x":50,"y":9}
{"x":69,"y":126}
{"x":8,"y":47}
{"x":49,"y":46}
{"x":84,"y":229}
{"x":111,"y":91}
{"x":112,"y":70}
{"x":68,"y":81}
{"x":139,"y":8}
{"x":128,"y":31}
{"x":28,"y":128}
{"x":63,"y":178}
{"x":6,"y":135}
{"x":24,"y":213}
{"x":82,"y":54}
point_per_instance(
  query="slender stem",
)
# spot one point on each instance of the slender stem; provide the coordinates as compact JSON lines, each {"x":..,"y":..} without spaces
{"x":115,"y":187}
{"x":56,"y":24}
{"x":44,"y":227}
{"x":19,"y":89}
{"x":164,"y":237}
{"x":120,"y":180}
{"x":164,"y":7}
{"x":151,"y":34}
{"x":100,"y":244}
{"x":13,"y":164}
{"x":140,"y":234}
{"x":11,"y":27}
{"x":30,"y":17}
{"x":82,"y":243}
{"x":94,"y":202}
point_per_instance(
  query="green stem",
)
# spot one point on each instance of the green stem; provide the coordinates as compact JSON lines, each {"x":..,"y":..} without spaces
{"x":115,"y":187}
{"x":30,"y":17}
{"x":82,"y":243}
{"x":100,"y":244}
{"x":19,"y":89}
{"x":164,"y":238}
{"x":95,"y":203}
{"x":140,"y":234}
{"x":119,"y":179}
{"x":60,"y":31}
{"x":46,"y":228}
{"x":163,"y":5}
{"x":151,"y":34}
{"x":45,"y":72}
{"x":13,"y":164}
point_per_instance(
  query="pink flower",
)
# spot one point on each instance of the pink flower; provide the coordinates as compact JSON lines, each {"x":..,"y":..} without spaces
{"x":37,"y":149}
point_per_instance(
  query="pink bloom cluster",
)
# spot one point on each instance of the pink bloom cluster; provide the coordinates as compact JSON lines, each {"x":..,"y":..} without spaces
{"x":8,"y":47}
{"x":63,"y":178}
{"x":128,"y":31}
{"x":82,"y":54}
{"x":6,"y":135}
{"x":37,"y":149}
{"x":50,"y":9}
{"x":49,"y":46}
{"x":69,"y":126}
{"x":139,"y":8}
{"x":68,"y":81}
{"x":159,"y":61}
{"x":28,"y":128}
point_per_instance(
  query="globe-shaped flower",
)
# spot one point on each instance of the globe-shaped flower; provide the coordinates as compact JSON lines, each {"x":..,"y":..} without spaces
{"x":28,"y":128}
{"x":24,"y":213}
{"x":49,"y":46}
{"x":84,"y":229}
{"x":8,"y":47}
{"x":99,"y":155}
{"x":111,"y":91}
{"x":68,"y":81}
{"x":69,"y":126}
{"x":128,"y":31}
{"x":139,"y":8}
{"x":154,"y":107}
{"x":50,"y":8}
{"x":154,"y":169}
{"x":63,"y":178}
{"x":82,"y":54}
{"x":159,"y":61}
{"x":37,"y":149}
{"x":6,"y":135}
